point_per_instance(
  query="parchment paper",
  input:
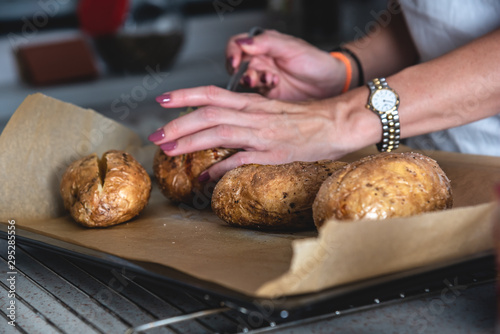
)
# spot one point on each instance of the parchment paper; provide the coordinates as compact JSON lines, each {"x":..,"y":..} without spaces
{"x":45,"y":135}
{"x":41,"y":139}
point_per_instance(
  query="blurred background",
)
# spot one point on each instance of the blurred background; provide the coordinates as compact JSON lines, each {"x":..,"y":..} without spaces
{"x":116,"y":56}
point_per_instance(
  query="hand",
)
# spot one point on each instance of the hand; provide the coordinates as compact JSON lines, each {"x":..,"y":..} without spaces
{"x":284,"y":67}
{"x":267,"y":131}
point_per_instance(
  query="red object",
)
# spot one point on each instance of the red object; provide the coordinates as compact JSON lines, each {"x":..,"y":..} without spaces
{"x":98,"y":17}
{"x":56,"y":62}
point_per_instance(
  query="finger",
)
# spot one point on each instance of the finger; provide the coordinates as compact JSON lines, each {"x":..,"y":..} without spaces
{"x":271,"y":43}
{"x":205,"y":118}
{"x":267,"y":80}
{"x":234,"y":52}
{"x":228,"y":136}
{"x":262,"y":81}
{"x":260,"y":73}
{"x":218,"y":170}
{"x":206,"y":95}
{"x":266,"y":75}
{"x":250,"y":78}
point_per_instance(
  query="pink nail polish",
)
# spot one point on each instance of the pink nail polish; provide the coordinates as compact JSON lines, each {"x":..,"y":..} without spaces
{"x":163,"y":98}
{"x":204,"y":177}
{"x":247,"y":81}
{"x":244,"y":41}
{"x":169,"y":146}
{"x":157,"y":135}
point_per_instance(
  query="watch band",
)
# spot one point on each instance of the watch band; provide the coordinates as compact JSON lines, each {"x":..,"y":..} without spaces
{"x":390,"y":120}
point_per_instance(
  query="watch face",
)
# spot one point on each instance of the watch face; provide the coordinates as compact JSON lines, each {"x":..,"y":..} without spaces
{"x":384,"y":100}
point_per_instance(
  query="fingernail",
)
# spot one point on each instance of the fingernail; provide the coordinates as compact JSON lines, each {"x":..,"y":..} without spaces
{"x":244,"y":41}
{"x":247,"y":81}
{"x":169,"y":146}
{"x":163,"y":98}
{"x":157,"y":135}
{"x":204,"y":177}
{"x":263,"y":78}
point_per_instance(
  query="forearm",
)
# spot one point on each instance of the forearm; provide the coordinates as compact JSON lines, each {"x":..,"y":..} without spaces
{"x":386,"y":50}
{"x":455,"y":89}
{"x":458,"y":88}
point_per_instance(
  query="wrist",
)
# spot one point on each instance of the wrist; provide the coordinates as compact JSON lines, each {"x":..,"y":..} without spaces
{"x":360,"y":126}
{"x":348,"y":70}
{"x":384,"y":102}
{"x":338,"y":76}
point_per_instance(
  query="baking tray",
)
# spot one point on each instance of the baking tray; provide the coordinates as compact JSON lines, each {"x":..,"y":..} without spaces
{"x":336,"y":301}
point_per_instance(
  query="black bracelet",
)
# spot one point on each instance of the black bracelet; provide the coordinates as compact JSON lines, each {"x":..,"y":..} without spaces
{"x":361,"y":76}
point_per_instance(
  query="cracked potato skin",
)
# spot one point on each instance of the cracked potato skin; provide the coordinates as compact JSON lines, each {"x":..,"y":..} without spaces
{"x":177,"y":176}
{"x":271,"y":197}
{"x":106,"y":194}
{"x":383,"y":186}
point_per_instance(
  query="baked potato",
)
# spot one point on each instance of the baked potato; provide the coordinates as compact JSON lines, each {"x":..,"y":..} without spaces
{"x":271,"y":197}
{"x":382,"y":186}
{"x":107,"y":191}
{"x":177,"y":176}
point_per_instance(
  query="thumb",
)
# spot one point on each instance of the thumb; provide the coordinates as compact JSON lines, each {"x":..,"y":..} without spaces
{"x":270,"y":43}
{"x":217,"y":171}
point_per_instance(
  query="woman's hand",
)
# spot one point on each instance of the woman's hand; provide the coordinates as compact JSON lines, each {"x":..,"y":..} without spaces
{"x":286,"y":68}
{"x":267,"y":131}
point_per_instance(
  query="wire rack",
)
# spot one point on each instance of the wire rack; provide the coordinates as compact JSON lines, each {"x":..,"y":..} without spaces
{"x":58,"y":294}
{"x":62,"y":294}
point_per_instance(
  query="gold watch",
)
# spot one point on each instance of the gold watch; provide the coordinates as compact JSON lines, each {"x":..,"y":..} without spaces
{"x":384,"y":101}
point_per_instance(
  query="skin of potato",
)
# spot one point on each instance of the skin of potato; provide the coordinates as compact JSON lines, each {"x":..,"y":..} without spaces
{"x":271,"y":197}
{"x":177,"y":176}
{"x":382,"y":186}
{"x":106,"y":196}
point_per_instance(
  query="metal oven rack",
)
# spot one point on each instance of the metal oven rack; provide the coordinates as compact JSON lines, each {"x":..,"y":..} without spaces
{"x":61,"y":292}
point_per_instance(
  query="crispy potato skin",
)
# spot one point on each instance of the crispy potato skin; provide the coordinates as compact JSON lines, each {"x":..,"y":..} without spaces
{"x":107,"y":194}
{"x":177,"y":176}
{"x":382,"y":186}
{"x":271,"y":197}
